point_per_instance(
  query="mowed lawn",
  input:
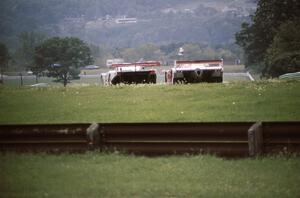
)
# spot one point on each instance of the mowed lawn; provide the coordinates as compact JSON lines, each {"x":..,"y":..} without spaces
{"x":114,"y":175}
{"x":97,"y":174}
{"x":239,"y":101}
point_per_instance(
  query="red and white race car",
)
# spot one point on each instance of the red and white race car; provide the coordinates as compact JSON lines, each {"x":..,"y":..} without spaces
{"x":186,"y":71}
{"x":131,"y":73}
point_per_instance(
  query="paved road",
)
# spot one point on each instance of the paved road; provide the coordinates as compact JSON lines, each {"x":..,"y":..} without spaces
{"x":30,"y":79}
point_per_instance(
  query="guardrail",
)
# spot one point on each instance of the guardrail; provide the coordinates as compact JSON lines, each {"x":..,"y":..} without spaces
{"x":237,"y":139}
{"x":44,"y":138}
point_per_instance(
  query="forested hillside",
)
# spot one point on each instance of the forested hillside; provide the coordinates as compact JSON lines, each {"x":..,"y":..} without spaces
{"x":158,"y":22}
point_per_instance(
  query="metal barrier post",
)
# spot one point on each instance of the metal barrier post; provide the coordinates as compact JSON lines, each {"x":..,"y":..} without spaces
{"x":93,"y":136}
{"x":255,"y":139}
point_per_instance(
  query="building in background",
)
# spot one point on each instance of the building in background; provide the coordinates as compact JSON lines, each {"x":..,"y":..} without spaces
{"x":110,"y":62}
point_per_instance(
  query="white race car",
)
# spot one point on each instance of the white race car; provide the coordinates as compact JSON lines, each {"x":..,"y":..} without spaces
{"x":131,"y":73}
{"x":195,"y":71}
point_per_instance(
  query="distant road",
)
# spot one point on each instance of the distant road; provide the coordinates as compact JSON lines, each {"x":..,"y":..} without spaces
{"x":226,"y":74}
{"x":227,"y":77}
{"x":245,"y":75}
{"x":18,"y":77}
{"x":90,"y":76}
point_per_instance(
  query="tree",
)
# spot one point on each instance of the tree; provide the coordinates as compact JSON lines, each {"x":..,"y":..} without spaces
{"x":4,"y":57}
{"x":191,"y":51}
{"x":130,"y":54}
{"x":257,"y":37}
{"x":60,"y":56}
{"x":283,"y":56}
{"x":149,"y":52}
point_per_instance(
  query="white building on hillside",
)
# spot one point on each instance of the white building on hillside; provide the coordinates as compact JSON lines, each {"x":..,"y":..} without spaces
{"x":125,"y":20}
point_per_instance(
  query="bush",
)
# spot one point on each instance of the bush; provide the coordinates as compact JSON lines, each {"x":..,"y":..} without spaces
{"x":283,"y":56}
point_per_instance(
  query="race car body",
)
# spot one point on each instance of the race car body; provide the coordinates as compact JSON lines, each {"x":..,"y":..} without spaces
{"x":131,"y":73}
{"x":195,"y":71}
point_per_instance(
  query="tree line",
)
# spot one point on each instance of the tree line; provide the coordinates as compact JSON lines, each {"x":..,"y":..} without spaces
{"x":271,"y":41}
{"x":60,"y":57}
{"x":21,"y":58}
{"x":168,"y":53}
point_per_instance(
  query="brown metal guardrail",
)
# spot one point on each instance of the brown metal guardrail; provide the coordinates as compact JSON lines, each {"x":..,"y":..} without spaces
{"x":44,"y":137}
{"x":274,"y":138}
{"x":228,"y":139}
{"x":225,"y":139}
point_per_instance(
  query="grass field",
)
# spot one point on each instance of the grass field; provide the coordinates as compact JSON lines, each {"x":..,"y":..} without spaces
{"x":241,"y":101}
{"x":113,"y":175}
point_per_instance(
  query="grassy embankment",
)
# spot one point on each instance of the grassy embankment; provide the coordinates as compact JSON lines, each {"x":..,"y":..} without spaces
{"x":103,"y":175}
{"x":247,"y":101}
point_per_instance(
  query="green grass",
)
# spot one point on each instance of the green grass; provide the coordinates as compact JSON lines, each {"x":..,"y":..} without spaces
{"x":112,"y":175}
{"x":241,"y":101}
